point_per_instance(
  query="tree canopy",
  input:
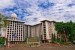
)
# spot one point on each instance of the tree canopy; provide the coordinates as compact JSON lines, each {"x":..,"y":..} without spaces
{"x":68,"y":27}
{"x":3,"y":21}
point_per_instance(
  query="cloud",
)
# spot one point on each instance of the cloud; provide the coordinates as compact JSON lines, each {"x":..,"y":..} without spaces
{"x":55,"y":12}
{"x":5,"y":3}
{"x":33,"y":12}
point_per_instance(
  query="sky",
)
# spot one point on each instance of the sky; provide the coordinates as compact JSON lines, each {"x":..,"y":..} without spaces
{"x":34,"y":11}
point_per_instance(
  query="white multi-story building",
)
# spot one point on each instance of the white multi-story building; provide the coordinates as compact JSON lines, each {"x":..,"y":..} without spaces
{"x":48,"y":28}
{"x":17,"y":31}
{"x":43,"y":30}
{"x":33,"y":30}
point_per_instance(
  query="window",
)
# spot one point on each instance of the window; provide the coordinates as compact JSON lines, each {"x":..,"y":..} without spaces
{"x":44,"y":31}
{"x":10,"y":35}
{"x":0,"y":34}
{"x":44,"y":27}
{"x":44,"y":35}
{"x":8,"y":30}
{"x":12,"y":38}
{"x":7,"y":33}
{"x":44,"y":38}
{"x":19,"y":37}
{"x":19,"y":34}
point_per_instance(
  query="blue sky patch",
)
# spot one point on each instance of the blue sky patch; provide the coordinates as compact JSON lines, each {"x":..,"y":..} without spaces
{"x":45,"y":5}
{"x":70,"y":5}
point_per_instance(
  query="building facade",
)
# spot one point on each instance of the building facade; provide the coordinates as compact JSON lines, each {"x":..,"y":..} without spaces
{"x":17,"y":31}
{"x":43,"y":30}
{"x":48,"y":28}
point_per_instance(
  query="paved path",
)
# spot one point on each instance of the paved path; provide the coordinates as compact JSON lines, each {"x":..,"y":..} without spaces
{"x":42,"y":47}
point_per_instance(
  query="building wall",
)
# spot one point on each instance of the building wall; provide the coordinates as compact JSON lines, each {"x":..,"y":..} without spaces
{"x":33,"y":31}
{"x":38,"y":30}
{"x":48,"y":28}
{"x":15,"y":31}
{"x":43,"y":31}
{"x":25,"y":31}
{"x":22,"y":31}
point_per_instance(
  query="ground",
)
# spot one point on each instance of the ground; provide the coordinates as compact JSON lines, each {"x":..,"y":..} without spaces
{"x":42,"y":47}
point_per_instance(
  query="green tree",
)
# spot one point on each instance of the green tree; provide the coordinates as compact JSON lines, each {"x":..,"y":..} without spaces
{"x":59,"y":27}
{"x":2,"y":40}
{"x":53,"y":38}
{"x":68,"y":27}
{"x":3,"y":22}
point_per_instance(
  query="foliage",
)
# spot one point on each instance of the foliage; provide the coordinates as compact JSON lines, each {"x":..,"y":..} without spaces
{"x":3,"y":21}
{"x":53,"y":39}
{"x":68,"y":27}
{"x":2,"y":40}
{"x":59,"y":27}
{"x":6,"y":22}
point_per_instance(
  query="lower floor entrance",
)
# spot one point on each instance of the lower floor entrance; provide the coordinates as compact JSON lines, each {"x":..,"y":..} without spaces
{"x":16,"y":42}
